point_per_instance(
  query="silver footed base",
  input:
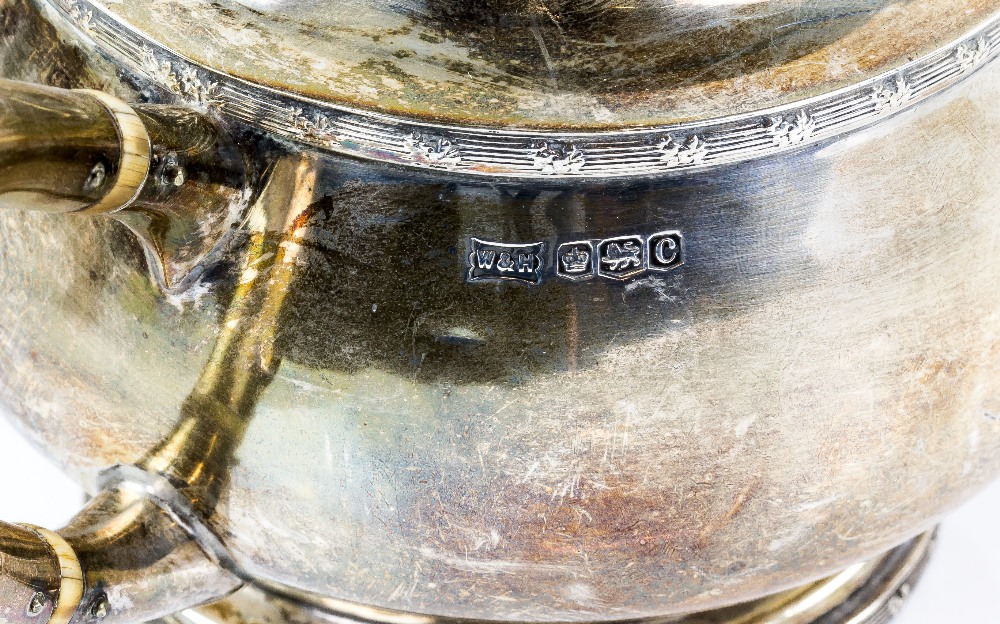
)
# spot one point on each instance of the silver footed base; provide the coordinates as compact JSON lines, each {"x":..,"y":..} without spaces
{"x":867,"y":593}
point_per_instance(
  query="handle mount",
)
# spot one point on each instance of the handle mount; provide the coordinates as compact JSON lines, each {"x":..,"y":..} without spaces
{"x":169,"y":173}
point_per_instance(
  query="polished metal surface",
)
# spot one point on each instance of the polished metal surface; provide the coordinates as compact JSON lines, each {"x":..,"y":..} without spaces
{"x":541,"y":64}
{"x":866,"y":593}
{"x":690,"y":142}
{"x":552,"y":397}
{"x":567,"y":450}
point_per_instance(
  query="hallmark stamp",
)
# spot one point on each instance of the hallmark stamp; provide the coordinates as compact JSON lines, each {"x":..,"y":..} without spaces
{"x":621,"y":258}
{"x":575,"y":261}
{"x":490,"y":261}
{"x":665,"y":251}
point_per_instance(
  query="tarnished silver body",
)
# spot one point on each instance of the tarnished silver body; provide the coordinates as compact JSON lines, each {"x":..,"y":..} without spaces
{"x":816,"y":383}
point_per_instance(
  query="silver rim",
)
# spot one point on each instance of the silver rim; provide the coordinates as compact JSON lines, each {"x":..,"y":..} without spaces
{"x":535,"y":154}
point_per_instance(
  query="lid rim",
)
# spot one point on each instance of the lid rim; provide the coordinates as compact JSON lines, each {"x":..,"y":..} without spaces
{"x":511,"y":152}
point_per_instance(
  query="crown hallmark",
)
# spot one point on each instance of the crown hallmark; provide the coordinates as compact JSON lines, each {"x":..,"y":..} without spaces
{"x":575,"y":260}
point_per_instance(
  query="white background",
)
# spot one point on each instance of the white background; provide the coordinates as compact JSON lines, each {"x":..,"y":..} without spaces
{"x":962,"y":585}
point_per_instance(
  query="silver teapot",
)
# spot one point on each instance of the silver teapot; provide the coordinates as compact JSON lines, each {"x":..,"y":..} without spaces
{"x":432,"y":311}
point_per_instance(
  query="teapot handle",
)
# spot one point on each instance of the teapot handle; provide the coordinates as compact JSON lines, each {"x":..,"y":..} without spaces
{"x":169,"y":173}
{"x":40,"y":575}
{"x":143,"y":547}
{"x":69,"y":151}
{"x":178,"y":181}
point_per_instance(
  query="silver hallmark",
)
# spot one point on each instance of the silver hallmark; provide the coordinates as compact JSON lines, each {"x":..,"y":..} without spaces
{"x":618,"y":258}
{"x":575,"y":261}
{"x":621,"y":258}
{"x":490,"y":261}
{"x":665,"y":251}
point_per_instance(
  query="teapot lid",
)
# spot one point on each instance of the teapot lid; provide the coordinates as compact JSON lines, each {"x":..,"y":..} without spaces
{"x":549,"y":66}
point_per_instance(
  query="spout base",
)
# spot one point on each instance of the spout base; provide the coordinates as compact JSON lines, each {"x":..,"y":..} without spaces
{"x":872,"y":592}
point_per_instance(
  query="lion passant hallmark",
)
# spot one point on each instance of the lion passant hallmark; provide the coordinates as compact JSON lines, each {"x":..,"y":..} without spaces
{"x":619,"y":258}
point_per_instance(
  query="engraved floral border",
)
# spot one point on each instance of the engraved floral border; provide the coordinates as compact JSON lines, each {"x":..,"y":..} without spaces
{"x":525,"y":154}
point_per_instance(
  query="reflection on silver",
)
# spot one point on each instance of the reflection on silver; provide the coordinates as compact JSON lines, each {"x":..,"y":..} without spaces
{"x":541,"y":154}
